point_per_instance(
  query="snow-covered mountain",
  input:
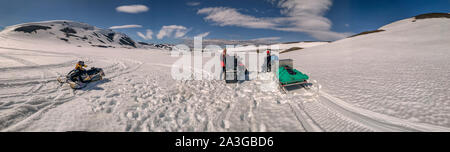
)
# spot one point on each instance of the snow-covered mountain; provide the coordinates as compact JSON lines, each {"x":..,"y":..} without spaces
{"x":155,"y":46}
{"x":70,"y":32}
{"x":82,"y":34}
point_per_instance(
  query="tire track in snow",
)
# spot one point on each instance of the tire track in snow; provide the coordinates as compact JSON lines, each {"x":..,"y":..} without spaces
{"x":330,"y":107}
{"x":25,"y":62}
{"x":328,"y":117}
{"x":349,"y":115}
{"x":38,"y":81}
{"x":33,"y":107}
{"x":306,"y":120}
{"x":297,"y":107}
{"x":42,"y":97}
{"x":238,"y":108}
{"x":62,"y":94}
{"x":198,"y":93}
{"x":32,"y":66}
{"x":376,"y":121}
{"x":39,"y":51}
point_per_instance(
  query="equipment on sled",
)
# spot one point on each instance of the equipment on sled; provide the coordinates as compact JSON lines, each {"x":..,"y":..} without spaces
{"x":235,"y":70}
{"x":288,"y":76}
{"x":231,"y":70}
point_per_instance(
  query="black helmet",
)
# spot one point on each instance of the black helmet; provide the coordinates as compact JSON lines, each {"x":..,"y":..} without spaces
{"x":81,"y":63}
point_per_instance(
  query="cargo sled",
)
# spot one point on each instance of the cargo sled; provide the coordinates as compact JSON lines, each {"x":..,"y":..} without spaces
{"x":288,"y":76}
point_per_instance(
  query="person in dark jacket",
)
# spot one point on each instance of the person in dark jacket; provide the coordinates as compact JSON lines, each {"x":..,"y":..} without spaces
{"x":269,"y":61}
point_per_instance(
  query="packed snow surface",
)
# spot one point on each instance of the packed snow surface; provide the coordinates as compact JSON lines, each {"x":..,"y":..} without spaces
{"x":402,"y":71}
{"x":396,"y":80}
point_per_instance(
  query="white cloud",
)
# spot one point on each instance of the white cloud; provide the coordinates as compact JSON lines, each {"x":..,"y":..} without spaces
{"x":193,"y":3}
{"x":176,"y":31}
{"x":147,"y":36}
{"x":305,"y":16}
{"x":125,"y":26}
{"x":203,"y":34}
{"x":222,"y":42}
{"x":224,"y":16}
{"x":132,"y":9}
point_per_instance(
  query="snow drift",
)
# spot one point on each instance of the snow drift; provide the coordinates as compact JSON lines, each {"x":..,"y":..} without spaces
{"x":402,"y":71}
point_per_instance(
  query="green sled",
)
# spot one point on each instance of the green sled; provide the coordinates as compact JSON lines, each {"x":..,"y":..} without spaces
{"x":289,"y":76}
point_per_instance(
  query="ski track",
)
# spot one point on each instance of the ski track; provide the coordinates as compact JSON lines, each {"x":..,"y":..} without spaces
{"x":141,"y":103}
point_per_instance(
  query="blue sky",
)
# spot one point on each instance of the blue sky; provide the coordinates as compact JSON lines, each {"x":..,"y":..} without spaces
{"x":173,"y":20}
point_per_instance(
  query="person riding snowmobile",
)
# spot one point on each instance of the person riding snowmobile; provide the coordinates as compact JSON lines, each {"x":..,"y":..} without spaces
{"x":79,"y":71}
{"x":79,"y":77}
{"x":80,"y":66}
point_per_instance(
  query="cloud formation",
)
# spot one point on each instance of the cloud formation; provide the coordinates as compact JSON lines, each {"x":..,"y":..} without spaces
{"x":193,"y":3}
{"x":134,"y":9}
{"x":305,"y":16}
{"x":147,"y":36}
{"x":176,"y":31}
{"x":125,"y":26}
{"x":224,"y":16}
{"x":203,"y":34}
{"x":222,"y":42}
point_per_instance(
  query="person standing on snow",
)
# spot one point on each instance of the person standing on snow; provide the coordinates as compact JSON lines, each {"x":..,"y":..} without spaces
{"x":223,"y":60}
{"x":269,"y":61}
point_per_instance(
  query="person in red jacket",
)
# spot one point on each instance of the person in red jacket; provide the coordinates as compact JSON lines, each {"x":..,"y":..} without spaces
{"x":223,"y":60}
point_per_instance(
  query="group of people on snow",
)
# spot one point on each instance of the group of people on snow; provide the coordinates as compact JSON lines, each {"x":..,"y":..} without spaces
{"x":223,"y":60}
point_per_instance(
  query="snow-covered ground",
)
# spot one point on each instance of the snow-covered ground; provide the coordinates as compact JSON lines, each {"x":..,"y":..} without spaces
{"x":401,"y":72}
{"x":388,"y":81}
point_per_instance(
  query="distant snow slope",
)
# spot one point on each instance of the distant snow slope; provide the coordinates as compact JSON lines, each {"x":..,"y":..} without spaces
{"x":304,"y":45}
{"x":281,"y":47}
{"x":403,"y":71}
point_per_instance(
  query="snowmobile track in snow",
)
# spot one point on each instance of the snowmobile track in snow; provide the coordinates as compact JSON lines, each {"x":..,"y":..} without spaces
{"x":44,"y":93}
{"x":140,"y":103}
